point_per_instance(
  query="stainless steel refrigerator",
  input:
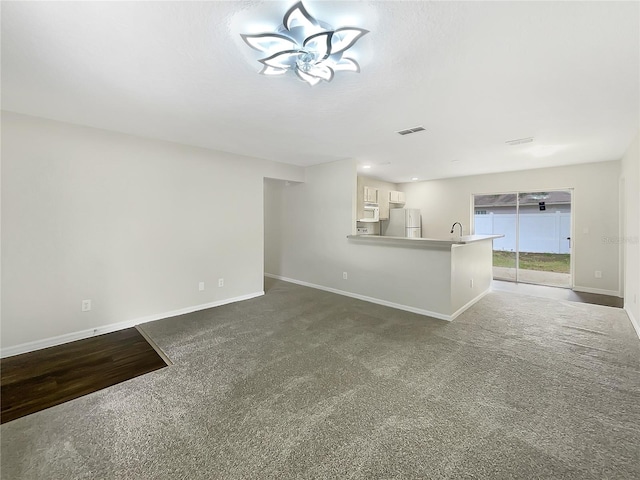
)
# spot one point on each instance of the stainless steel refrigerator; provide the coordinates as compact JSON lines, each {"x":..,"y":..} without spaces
{"x":404,"y":222}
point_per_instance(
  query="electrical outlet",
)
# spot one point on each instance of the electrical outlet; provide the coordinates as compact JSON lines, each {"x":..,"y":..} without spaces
{"x":598,"y":274}
{"x":344,"y":275}
{"x":86,"y":305}
{"x":471,"y":283}
{"x":221,"y":282}
{"x":201,"y":286}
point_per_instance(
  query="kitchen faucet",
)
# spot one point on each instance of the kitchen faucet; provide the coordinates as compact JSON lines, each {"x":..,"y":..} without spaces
{"x":453,"y":226}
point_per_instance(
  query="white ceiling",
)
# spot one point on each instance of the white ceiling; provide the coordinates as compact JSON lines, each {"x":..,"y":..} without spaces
{"x":475,"y":74}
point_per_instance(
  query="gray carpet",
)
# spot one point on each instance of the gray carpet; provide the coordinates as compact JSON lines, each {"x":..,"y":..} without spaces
{"x":302,"y":383}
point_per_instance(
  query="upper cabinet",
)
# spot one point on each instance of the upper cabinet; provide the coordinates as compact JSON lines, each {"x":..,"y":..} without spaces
{"x":370,"y":195}
{"x":372,"y":190}
{"x":396,"y":197}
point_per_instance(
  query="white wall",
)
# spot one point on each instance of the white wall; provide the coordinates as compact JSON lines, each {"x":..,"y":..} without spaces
{"x":130,"y":223}
{"x":630,"y":241}
{"x":595,"y":209}
{"x":274,"y":224}
{"x":471,"y":261}
{"x":308,"y":223}
{"x":306,"y":241}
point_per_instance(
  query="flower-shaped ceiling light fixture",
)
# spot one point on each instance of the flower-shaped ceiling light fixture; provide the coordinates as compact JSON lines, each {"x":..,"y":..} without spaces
{"x":310,"y":48}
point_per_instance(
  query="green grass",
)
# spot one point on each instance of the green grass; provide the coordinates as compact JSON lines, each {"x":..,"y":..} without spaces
{"x":542,"y":262}
{"x":504,"y":259}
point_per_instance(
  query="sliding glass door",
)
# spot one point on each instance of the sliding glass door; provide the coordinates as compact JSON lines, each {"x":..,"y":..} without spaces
{"x":498,"y":213}
{"x":544,"y":231}
{"x":536,"y":247}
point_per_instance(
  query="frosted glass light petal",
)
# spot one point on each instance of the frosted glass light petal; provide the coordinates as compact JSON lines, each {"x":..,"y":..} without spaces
{"x":321,"y":71}
{"x":286,"y":59}
{"x":271,"y":71}
{"x":297,"y":16}
{"x":319,"y":43}
{"x":346,"y":65}
{"x":308,"y":78}
{"x":345,"y":38}
{"x":269,"y":42}
{"x":309,"y":47}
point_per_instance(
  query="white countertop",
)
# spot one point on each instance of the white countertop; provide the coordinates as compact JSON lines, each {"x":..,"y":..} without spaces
{"x":425,"y":242}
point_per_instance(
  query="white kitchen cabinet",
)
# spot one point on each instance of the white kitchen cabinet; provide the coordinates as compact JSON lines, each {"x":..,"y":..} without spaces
{"x":396,"y":197}
{"x":372,"y":190}
{"x":370,"y":195}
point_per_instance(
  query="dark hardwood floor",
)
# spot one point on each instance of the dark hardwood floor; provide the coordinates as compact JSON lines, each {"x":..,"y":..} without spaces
{"x":37,"y":380}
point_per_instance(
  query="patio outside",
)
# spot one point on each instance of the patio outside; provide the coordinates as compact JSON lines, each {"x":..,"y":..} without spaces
{"x":538,"y":225}
{"x":540,"y":268}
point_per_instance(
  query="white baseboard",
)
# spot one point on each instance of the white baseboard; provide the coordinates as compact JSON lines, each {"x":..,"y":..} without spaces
{"x":600,"y":291}
{"x":634,"y":321}
{"x":92,"y":332}
{"x":419,"y":311}
{"x":469,"y":303}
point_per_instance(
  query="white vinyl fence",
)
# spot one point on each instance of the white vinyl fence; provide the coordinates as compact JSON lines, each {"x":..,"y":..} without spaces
{"x":539,"y":232}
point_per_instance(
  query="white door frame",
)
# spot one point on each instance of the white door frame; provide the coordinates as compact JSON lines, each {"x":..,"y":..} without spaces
{"x":517,"y":239}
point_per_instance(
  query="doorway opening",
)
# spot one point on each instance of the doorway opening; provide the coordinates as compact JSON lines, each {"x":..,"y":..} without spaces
{"x":536,"y":247}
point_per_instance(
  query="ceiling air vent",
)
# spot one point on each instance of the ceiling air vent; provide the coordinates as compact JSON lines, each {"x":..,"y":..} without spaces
{"x":407,"y":131}
{"x":519,"y":141}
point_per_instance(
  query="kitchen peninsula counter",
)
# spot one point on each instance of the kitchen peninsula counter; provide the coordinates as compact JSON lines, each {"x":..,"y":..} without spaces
{"x":424,"y":242}
{"x":436,"y":277}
